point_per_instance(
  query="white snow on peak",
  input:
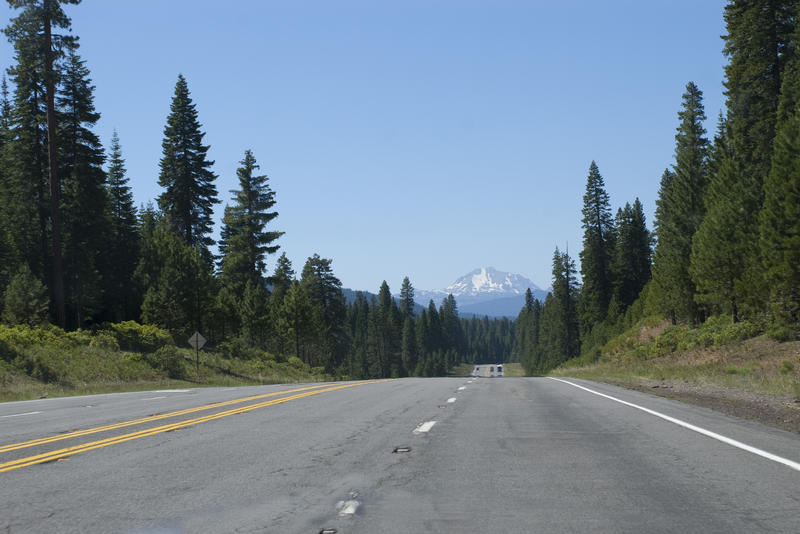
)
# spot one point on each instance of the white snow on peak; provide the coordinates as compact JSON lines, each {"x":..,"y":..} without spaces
{"x":488,"y":280}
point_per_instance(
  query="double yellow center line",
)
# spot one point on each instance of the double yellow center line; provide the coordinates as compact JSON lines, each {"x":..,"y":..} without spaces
{"x":69,"y":451}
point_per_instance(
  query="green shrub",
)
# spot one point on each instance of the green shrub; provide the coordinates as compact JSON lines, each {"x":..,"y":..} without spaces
{"x":26,"y":299}
{"x":787,"y":367}
{"x":105,"y":341}
{"x":7,"y":353}
{"x":136,"y":337}
{"x":79,"y":338}
{"x":296,"y":362}
{"x":45,"y":364}
{"x":737,"y":332}
{"x":781,"y":333}
{"x":169,"y":360}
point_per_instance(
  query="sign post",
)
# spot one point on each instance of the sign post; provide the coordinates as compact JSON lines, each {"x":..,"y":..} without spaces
{"x":197,"y":341}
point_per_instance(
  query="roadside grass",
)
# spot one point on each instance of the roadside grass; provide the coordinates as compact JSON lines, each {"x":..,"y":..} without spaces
{"x":719,"y":352}
{"x":464,"y":369}
{"x":513,"y":369}
{"x":48,"y":362}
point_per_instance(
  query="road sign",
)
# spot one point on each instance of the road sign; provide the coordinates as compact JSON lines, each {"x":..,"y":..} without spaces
{"x":197,"y":341}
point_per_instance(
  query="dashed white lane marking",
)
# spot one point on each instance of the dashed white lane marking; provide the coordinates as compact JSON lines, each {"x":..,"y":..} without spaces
{"x":424,"y":427}
{"x":18,"y":414}
{"x":462,"y":388}
{"x":699,"y":430}
{"x":154,"y":398}
{"x":451,"y":400}
{"x":172,"y":391}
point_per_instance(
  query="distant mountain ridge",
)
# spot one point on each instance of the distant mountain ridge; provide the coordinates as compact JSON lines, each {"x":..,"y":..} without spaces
{"x":485,"y":291}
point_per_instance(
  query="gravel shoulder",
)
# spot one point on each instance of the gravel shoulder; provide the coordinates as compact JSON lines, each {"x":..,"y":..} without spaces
{"x":777,"y":411}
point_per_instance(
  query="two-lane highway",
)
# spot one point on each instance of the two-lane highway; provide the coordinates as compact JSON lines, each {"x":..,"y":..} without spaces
{"x":409,"y":455}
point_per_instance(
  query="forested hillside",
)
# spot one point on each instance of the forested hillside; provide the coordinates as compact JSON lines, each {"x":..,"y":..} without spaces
{"x":725,"y":236}
{"x":76,"y":252}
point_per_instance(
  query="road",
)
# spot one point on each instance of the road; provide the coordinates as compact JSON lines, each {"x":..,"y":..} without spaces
{"x":443,"y":455}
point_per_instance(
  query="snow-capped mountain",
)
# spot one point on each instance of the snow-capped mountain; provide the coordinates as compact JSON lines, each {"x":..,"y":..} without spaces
{"x":485,"y":291}
{"x":490,"y":281}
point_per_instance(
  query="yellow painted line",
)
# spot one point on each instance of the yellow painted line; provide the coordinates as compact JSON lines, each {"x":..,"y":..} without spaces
{"x":69,"y":451}
{"x":158,"y":417}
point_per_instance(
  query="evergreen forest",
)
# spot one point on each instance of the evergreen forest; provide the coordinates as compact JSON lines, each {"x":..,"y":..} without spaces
{"x":725,"y":243}
{"x":77,"y":254}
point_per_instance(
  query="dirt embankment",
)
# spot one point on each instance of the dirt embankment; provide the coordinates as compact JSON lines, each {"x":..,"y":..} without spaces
{"x":774,"y":410}
{"x":757,"y":379}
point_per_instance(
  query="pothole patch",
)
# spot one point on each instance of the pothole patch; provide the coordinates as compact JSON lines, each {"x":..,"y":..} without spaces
{"x":348,"y":507}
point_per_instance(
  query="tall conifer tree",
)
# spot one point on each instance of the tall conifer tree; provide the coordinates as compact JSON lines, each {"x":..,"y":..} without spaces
{"x":407,"y":298}
{"x":186,"y":175}
{"x":723,"y":241}
{"x":245,"y":240}
{"x":85,"y":204}
{"x":780,"y":216}
{"x":598,"y":246}
{"x":680,"y":211}
{"x":34,"y":200}
{"x":760,"y":45}
{"x":121,"y":299}
{"x":631,"y":262}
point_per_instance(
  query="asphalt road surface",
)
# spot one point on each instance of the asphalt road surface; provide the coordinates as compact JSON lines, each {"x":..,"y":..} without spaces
{"x":454,"y":455}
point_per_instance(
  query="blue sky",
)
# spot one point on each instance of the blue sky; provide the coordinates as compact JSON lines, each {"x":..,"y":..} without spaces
{"x":415,"y":138}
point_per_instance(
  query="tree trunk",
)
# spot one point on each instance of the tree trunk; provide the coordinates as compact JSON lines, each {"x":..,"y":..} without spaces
{"x":55,"y":185}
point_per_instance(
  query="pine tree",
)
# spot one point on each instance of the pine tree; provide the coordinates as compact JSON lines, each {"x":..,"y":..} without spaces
{"x":388,"y":330}
{"x":174,"y":278}
{"x":680,"y":211}
{"x":324,"y":291}
{"x":245,"y":241}
{"x":528,"y":300}
{"x":281,"y":281}
{"x":407,"y":298}
{"x":757,"y":44}
{"x":630,"y":265}
{"x":32,"y":203}
{"x":122,"y":301}
{"x":6,"y":255}
{"x":780,"y":216}
{"x":566,"y":295}
{"x":598,"y":246}
{"x":409,"y":345}
{"x":186,"y":175}
{"x":723,"y":242}
{"x":452,"y":335}
{"x":296,"y":319}
{"x":85,"y":205}
{"x":760,"y":45}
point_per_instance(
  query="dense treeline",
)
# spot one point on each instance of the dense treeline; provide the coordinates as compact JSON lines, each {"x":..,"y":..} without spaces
{"x":76,"y":251}
{"x":727,"y":222}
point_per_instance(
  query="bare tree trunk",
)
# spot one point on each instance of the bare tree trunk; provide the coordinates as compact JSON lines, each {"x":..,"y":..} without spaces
{"x":55,"y":185}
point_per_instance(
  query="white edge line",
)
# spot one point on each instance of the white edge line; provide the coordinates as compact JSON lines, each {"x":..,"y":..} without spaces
{"x":451,"y":399}
{"x":154,"y":398}
{"x":462,"y":388}
{"x":18,"y":414}
{"x":424,"y":427}
{"x":689,"y":426}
